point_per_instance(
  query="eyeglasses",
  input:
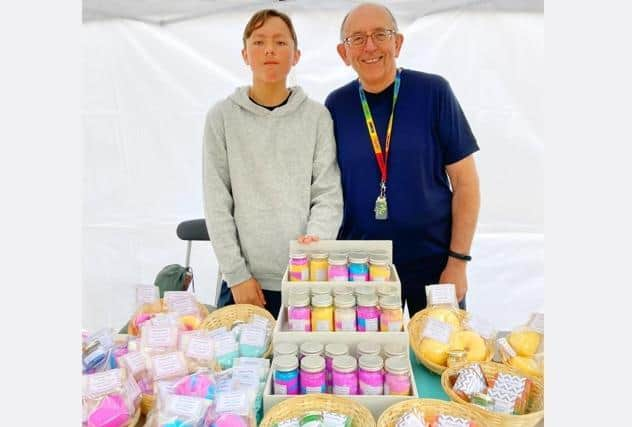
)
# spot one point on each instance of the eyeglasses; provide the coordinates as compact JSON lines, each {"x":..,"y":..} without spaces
{"x":358,"y":40}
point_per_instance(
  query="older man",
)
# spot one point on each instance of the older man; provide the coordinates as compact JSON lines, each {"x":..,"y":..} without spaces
{"x":405,"y":151}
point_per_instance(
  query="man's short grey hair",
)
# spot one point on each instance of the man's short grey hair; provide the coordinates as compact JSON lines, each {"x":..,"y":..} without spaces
{"x":342,"y":26}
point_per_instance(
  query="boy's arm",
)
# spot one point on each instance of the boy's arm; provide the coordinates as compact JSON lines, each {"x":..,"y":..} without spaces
{"x":218,"y":202}
{"x":326,"y":191}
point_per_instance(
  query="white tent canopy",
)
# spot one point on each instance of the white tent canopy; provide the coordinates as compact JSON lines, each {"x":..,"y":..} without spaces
{"x":152,"y":69}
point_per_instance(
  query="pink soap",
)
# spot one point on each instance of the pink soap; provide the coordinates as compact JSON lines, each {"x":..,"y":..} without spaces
{"x":111,"y":412}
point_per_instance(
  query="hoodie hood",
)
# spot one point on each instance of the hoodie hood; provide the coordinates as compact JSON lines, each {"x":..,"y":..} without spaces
{"x":297,"y":97}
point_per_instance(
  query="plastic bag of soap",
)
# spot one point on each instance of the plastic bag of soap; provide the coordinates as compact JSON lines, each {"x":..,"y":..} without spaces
{"x":108,"y":398}
{"x":199,"y":349}
{"x":523,"y":347}
{"x":158,"y":339}
{"x":233,"y":409}
{"x":180,"y":411}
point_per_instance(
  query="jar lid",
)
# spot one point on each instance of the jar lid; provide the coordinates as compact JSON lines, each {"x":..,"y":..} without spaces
{"x":364,"y":290}
{"x":300,"y":300}
{"x":370,"y":362}
{"x":313,"y":363}
{"x":298,"y":255}
{"x":391,"y":301}
{"x":386,"y":290}
{"x":358,"y":257}
{"x":397,"y":365}
{"x":298,"y":290}
{"x":311,"y":348}
{"x":378,"y":259}
{"x":368,"y":348}
{"x":286,"y":363}
{"x":322,"y":300}
{"x":343,"y":290}
{"x":345,"y":301}
{"x":285,"y":349}
{"x":336,"y":349}
{"x":394,"y":350}
{"x":367,"y":300}
{"x":345,"y":363}
{"x":320,"y":290}
{"x":319,"y":255}
{"x":337,"y":259}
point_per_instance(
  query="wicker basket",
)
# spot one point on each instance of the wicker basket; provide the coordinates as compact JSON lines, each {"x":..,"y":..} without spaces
{"x":414,"y":334}
{"x":146,"y":403}
{"x":226,"y":316}
{"x":301,"y":405}
{"x":535,"y":404}
{"x":429,"y":407}
{"x":153,"y":308}
{"x":134,"y":420}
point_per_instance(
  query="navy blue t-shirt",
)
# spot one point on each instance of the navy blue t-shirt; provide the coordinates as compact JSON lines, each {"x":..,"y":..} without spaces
{"x":430,"y":131}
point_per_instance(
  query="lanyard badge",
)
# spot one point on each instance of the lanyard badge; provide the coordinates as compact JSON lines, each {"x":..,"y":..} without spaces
{"x":381,"y":205}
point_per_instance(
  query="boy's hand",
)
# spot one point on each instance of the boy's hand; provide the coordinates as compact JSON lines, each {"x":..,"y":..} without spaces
{"x":248,"y":292}
{"x":308,"y":238}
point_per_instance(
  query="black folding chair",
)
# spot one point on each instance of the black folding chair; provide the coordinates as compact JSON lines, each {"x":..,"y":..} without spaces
{"x":195,"y":230}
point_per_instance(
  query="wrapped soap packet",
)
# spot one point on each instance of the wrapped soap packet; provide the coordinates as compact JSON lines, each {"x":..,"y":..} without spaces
{"x":444,"y":420}
{"x":510,"y":393}
{"x":232,"y":409}
{"x":180,"y":411}
{"x":261,"y":364}
{"x":523,"y":347}
{"x":199,"y":384}
{"x":412,"y":418}
{"x":253,"y":341}
{"x":199,"y":349}
{"x":168,"y":366}
{"x":158,"y":339}
{"x":441,"y":295}
{"x":226,"y":349}
{"x":332,"y":419}
{"x":105,"y":399}
{"x":435,"y":340}
{"x":290,"y":422}
{"x":470,"y":380}
{"x":97,"y":350}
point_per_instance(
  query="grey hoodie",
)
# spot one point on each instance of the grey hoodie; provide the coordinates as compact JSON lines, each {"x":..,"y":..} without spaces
{"x":269,"y":176}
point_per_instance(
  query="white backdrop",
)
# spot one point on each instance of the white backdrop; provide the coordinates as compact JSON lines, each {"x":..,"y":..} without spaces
{"x":147,"y":88}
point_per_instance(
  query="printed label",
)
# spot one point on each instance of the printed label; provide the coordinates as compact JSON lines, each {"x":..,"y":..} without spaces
{"x":103,"y":383}
{"x":246,"y":376}
{"x":370,"y":390}
{"x":394,"y":326}
{"x":309,"y":389}
{"x":132,"y":389}
{"x":323,"y":325}
{"x":348,"y":325}
{"x":256,"y":362}
{"x":359,"y":277}
{"x":481,"y":326}
{"x":232,"y":402}
{"x":371,"y":324}
{"x":341,"y":389}
{"x":504,"y":346}
{"x":167,"y":365}
{"x":297,"y":325}
{"x":537,"y":322}
{"x":164,"y":320}
{"x":135,"y":362}
{"x":441,"y":294}
{"x":334,"y":420}
{"x":219,"y":331}
{"x":289,"y":423}
{"x":280,"y":388}
{"x":253,"y":336}
{"x":185,"y":406}
{"x":260,"y":321}
{"x":146,"y":294}
{"x":200,"y":348}
{"x":159,"y":336}
{"x":225,"y":344}
{"x":410,"y":420}
{"x":437,"y":330}
{"x":320,"y":275}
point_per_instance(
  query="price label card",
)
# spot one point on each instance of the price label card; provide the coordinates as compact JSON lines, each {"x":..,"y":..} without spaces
{"x":441,"y":294}
{"x":437,"y":330}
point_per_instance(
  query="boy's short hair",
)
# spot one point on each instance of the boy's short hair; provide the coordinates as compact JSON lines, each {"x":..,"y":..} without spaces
{"x":259,"y":18}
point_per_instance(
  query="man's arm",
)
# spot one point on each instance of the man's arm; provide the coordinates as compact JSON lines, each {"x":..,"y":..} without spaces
{"x":465,"y":208}
{"x":218,"y":208}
